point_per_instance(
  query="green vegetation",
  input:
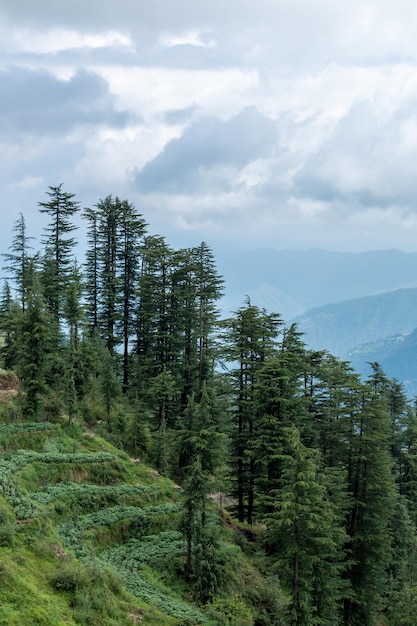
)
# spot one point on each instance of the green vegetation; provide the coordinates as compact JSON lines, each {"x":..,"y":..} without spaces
{"x":294,"y":501}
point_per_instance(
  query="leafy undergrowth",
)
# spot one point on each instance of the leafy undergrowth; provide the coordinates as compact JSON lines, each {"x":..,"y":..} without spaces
{"x":90,"y":536}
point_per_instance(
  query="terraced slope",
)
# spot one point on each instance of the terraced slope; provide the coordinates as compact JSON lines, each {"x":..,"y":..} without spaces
{"x":88,"y":535}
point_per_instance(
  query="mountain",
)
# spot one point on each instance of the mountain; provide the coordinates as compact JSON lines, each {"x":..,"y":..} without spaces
{"x":293,"y":281}
{"x":340,"y":327}
{"x":397,"y":356}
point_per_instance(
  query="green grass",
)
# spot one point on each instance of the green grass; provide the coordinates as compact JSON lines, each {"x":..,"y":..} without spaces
{"x":89,"y":536}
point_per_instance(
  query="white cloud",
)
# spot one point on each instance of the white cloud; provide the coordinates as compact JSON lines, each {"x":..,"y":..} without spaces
{"x":61,"y":39}
{"x":187,"y":38}
{"x":137,"y":82}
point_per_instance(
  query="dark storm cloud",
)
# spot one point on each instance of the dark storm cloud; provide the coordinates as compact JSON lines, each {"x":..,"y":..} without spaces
{"x":207,"y":144}
{"x":36,"y":102}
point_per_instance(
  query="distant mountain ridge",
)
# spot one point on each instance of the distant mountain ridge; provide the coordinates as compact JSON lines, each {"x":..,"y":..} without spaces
{"x":341,"y":327}
{"x":359,"y":306}
{"x":397,"y":356}
{"x":292,"y":281}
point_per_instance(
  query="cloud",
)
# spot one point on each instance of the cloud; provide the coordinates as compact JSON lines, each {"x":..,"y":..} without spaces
{"x":255,"y":118}
{"x":370,"y":160}
{"x":205,"y":146}
{"x":187,"y":38}
{"x":36,"y":102}
{"x":273,"y":33}
{"x":180,"y":116}
{"x":60,"y":39}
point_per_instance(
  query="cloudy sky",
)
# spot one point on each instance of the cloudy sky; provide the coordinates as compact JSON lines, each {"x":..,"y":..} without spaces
{"x":283,"y":123}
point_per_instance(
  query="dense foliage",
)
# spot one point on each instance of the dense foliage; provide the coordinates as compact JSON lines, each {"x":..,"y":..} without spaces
{"x":289,"y":447}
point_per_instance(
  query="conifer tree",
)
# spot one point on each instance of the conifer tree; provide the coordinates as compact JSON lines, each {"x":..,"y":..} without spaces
{"x":280,"y":405}
{"x":59,"y":247}
{"x":19,"y":262}
{"x":209,"y":289}
{"x":131,"y":232}
{"x":249,"y":338}
{"x":73,"y":312}
{"x":92,"y":269}
{"x":161,"y":393}
{"x":202,"y":435}
{"x":109,"y":211}
{"x":34,"y":349}
{"x":306,"y":537}
{"x":371,"y":484}
{"x":155,"y":319}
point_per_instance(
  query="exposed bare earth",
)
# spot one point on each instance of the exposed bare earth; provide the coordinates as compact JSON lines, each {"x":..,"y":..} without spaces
{"x":9,"y":386}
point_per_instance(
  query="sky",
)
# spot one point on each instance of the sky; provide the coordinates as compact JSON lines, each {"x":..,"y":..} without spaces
{"x":243,"y":123}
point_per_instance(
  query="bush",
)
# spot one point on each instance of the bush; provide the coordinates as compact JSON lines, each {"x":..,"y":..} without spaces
{"x":68,"y":577}
{"x":7,"y":534}
{"x":83,"y":607}
{"x":7,"y":527}
{"x":231,"y":611}
{"x":5,"y":516}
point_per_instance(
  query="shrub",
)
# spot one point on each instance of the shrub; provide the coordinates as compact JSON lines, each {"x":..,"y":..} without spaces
{"x":68,"y":577}
{"x":5,"y":516}
{"x":6,"y":534}
{"x":83,"y":607}
{"x":231,"y":611}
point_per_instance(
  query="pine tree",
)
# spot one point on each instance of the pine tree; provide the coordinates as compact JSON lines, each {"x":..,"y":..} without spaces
{"x":279,"y":405}
{"x":202,"y":435}
{"x":109,"y":211}
{"x":371,"y":484}
{"x":131,"y":232}
{"x":209,"y":289}
{"x":92,"y":269}
{"x":306,"y":537}
{"x":161,"y":394}
{"x":59,"y":247}
{"x":34,"y":350}
{"x":73,"y":312}
{"x":249,"y":337}
{"x":155,"y":325}
{"x":20,"y":264}
{"x":10,"y":311}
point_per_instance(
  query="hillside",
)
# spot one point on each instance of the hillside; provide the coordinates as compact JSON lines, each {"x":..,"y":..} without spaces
{"x":397,"y":355}
{"x":341,"y":327}
{"x":292,"y":281}
{"x":90,"y":536}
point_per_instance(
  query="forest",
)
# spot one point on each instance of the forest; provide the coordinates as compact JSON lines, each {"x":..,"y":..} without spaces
{"x":314,"y":464}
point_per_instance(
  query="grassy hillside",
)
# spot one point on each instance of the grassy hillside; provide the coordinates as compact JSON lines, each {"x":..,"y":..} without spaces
{"x":90,"y":536}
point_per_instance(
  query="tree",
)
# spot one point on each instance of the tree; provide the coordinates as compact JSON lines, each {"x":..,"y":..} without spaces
{"x":155,"y":319}
{"x":202,"y":436}
{"x":73,"y":312}
{"x":59,"y":246}
{"x":279,"y":405}
{"x":305,"y":533}
{"x":109,"y":382}
{"x":371,"y":485}
{"x":92,"y":269}
{"x":209,"y":289}
{"x":108,"y":313}
{"x":132,"y":228}
{"x":161,"y":394}
{"x":250,"y":338}
{"x":20,"y":264}
{"x":33,"y":353}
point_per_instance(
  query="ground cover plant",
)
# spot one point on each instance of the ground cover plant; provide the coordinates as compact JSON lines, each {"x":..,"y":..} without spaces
{"x":94,"y":552}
